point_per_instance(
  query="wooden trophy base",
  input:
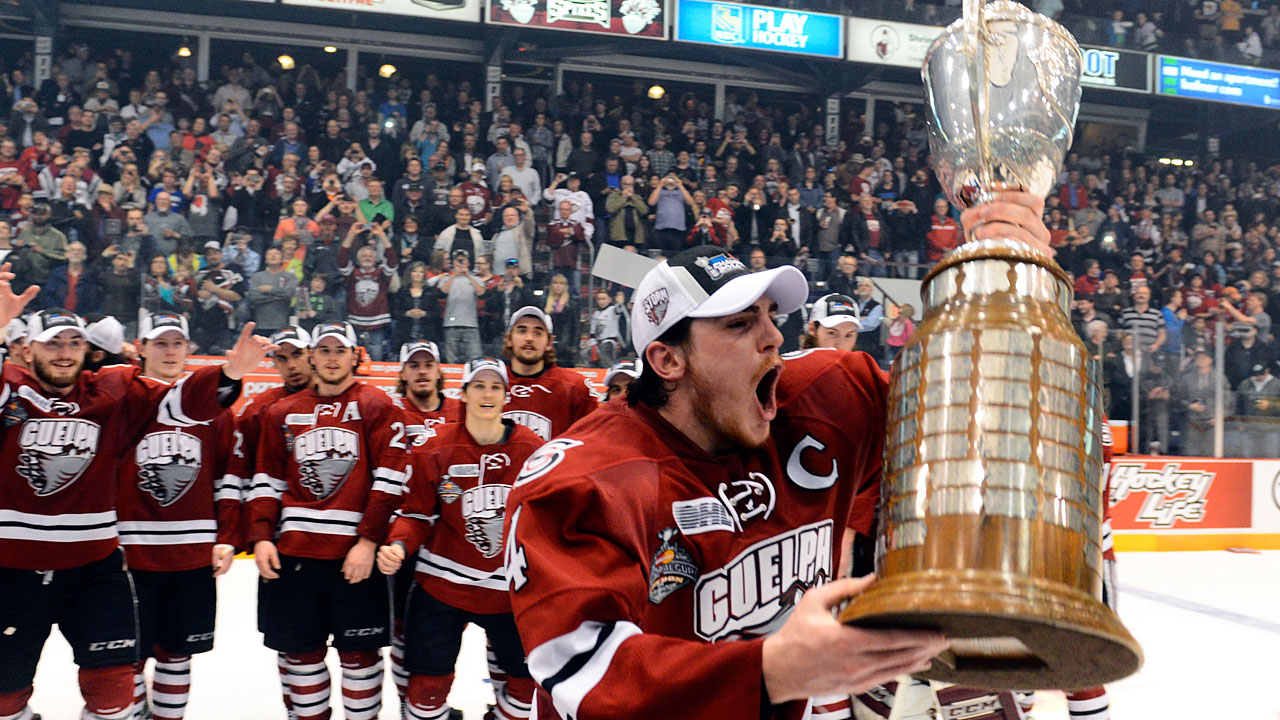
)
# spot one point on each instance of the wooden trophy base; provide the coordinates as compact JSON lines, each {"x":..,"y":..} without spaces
{"x":1008,"y":632}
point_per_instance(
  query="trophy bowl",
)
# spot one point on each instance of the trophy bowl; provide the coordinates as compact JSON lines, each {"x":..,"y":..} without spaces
{"x":992,"y":497}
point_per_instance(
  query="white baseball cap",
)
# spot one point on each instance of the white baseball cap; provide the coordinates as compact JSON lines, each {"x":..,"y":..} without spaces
{"x":408,"y":349}
{"x":479,"y":365}
{"x":294,"y":336}
{"x":156,"y":324}
{"x":707,"y":282}
{"x":534,"y":312}
{"x":341,"y":330}
{"x":107,"y":334}
{"x":630,"y":368}
{"x":834,"y":309}
{"x":17,"y":330}
{"x":46,"y":324}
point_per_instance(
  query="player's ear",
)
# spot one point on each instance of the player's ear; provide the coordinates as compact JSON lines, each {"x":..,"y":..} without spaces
{"x":669,"y":362}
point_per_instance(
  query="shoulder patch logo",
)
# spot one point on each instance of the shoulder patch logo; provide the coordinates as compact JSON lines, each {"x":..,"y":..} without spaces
{"x":545,"y":459}
{"x":655,"y":305}
{"x":672,"y":567}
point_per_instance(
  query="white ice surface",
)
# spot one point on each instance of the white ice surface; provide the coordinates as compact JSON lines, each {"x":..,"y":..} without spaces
{"x":1208,"y":622}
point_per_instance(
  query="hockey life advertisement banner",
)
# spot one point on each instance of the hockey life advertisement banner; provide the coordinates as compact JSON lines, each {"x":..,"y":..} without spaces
{"x":382,"y":375}
{"x":1171,"y":493}
{"x":464,"y":10}
{"x":629,"y":18}
{"x":760,"y":28}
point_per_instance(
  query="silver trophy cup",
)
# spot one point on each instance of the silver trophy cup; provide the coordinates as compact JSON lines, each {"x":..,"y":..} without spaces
{"x":991,"y":502}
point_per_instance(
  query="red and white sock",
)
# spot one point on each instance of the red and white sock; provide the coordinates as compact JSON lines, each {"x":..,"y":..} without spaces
{"x":428,"y":697}
{"x":170,"y":686}
{"x":140,"y":707}
{"x":516,"y":700}
{"x":283,"y":666}
{"x":361,"y":684}
{"x":832,"y":707}
{"x":309,"y":684}
{"x":13,"y":705}
{"x":108,"y":692}
{"x":398,"y":672}
{"x":497,"y":676}
{"x":1091,"y":704}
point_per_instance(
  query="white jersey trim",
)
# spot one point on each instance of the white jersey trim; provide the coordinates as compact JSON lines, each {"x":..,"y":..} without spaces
{"x":66,"y":527}
{"x":168,"y":532}
{"x":265,"y":486}
{"x":170,"y":410}
{"x":229,"y":487}
{"x":455,"y":572}
{"x":321,"y":522}
{"x":570,"y":666}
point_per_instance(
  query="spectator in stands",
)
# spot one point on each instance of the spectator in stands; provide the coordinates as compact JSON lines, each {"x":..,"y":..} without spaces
{"x":670,"y":201}
{"x":583,"y":160}
{"x":166,"y":224}
{"x":626,"y":212}
{"x":870,"y":314}
{"x":871,"y":234}
{"x":271,"y":293}
{"x":460,"y":236}
{"x":298,"y":224}
{"x":218,"y":290}
{"x":462,"y":291}
{"x":369,"y":276}
{"x":46,"y":245}
{"x":524,"y":176}
{"x":583,"y":208}
{"x":69,"y":286}
{"x":500,"y":158}
{"x":376,"y":208}
{"x":1259,"y":394}
{"x":1253,"y":314}
{"x":415,"y":307}
{"x":1243,"y":353}
{"x":1195,"y":395}
{"x":562,"y":307}
{"x":1145,"y":321}
{"x":256,"y":211}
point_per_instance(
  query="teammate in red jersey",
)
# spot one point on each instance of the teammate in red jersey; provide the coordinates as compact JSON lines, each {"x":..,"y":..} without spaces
{"x":332,"y":462}
{"x":64,"y":430}
{"x":426,"y":407}
{"x":422,"y":387}
{"x":545,"y":397}
{"x":292,"y":358}
{"x":619,"y":378}
{"x":669,"y":556}
{"x":451,"y":523}
{"x":179,"y":520}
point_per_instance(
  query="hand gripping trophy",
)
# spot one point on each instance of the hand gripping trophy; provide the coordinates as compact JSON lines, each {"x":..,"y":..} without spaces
{"x":991,"y":503}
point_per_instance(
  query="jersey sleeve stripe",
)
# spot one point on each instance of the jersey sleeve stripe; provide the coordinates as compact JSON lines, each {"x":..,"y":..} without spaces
{"x":265,"y":486}
{"x":230,"y":487}
{"x":570,"y":666}
{"x":444,"y":568}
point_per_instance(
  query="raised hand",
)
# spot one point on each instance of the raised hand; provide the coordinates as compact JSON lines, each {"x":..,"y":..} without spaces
{"x":11,"y":305}
{"x":1014,"y":215}
{"x":249,"y":350}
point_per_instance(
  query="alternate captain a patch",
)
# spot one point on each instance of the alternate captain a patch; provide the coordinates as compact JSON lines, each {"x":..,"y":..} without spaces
{"x":672,"y":568}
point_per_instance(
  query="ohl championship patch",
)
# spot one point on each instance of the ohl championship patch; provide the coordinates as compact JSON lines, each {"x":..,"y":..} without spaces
{"x":672,"y":568}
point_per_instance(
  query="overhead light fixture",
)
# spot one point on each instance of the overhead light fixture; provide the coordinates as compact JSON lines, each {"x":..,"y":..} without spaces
{"x":286,"y":62}
{"x":1165,"y":161}
{"x":330,"y":49}
{"x":184,"y":51}
{"x":387,"y":70}
{"x":657,"y":91}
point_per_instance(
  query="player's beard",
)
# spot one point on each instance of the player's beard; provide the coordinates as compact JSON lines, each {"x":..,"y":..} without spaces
{"x":56,"y":377}
{"x":326,"y":376}
{"x":733,"y":422}
{"x":422,"y":396}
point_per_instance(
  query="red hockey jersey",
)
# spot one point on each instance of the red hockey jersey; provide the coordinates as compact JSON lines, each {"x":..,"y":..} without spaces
{"x":57,"y":501}
{"x":248,"y":429}
{"x":1108,"y":549}
{"x":328,"y":469}
{"x":423,"y":424}
{"x":644,"y":574}
{"x":454,"y":513}
{"x":549,"y":402}
{"x":176,"y":499}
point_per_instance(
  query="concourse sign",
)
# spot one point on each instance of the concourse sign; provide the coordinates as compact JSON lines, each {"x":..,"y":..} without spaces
{"x":760,"y":28}
{"x":1218,"y":82}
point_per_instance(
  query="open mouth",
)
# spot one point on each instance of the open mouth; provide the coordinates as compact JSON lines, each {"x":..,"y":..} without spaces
{"x":765,"y":393}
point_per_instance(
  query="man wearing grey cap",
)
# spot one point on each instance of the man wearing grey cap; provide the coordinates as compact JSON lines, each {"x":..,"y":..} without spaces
{"x":628,"y":559}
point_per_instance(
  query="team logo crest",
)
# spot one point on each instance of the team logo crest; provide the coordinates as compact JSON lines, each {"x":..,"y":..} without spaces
{"x":885,"y":40}
{"x":448,"y":491}
{"x":655,"y":305}
{"x":366,"y":291}
{"x":168,"y":463}
{"x":484,"y":508}
{"x":718,"y":266}
{"x":672,"y":567}
{"x":55,"y":452}
{"x":326,"y":456}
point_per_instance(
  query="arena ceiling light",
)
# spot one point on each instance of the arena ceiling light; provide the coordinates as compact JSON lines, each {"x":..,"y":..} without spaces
{"x":657,"y":91}
{"x":184,"y":51}
{"x":1177,"y":162}
{"x":330,"y":49}
{"x":286,"y":62}
{"x":387,"y":70}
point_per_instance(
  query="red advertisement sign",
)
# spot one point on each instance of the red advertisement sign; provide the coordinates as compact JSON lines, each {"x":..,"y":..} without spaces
{"x":1179,"y":494}
{"x":635,"y":18}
